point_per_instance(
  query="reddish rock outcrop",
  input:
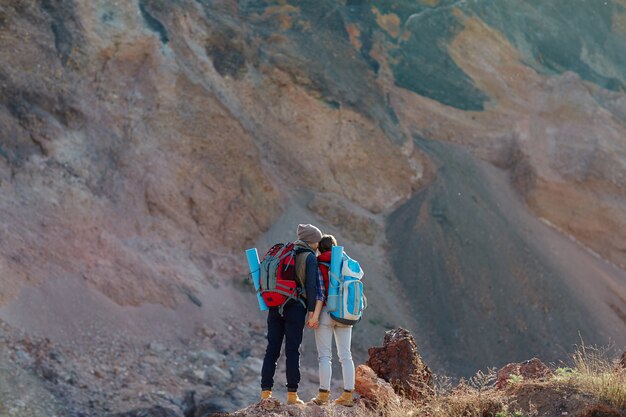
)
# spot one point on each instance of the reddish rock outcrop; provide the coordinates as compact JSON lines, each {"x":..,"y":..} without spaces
{"x":372,"y":388}
{"x":399,"y":363}
{"x":530,"y":369}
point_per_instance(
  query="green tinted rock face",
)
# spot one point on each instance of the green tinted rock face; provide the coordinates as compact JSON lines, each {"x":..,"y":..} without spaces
{"x":425,"y":65}
{"x":420,"y":59}
{"x":563,"y":35}
{"x":553,"y":37}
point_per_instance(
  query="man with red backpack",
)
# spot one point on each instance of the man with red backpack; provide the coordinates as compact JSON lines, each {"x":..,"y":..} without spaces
{"x":287,"y":320}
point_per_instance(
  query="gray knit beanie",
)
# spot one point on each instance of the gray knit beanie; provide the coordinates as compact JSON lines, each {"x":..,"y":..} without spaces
{"x":309,"y":233}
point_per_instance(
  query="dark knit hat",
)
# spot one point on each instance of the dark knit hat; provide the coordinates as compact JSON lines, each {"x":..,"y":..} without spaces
{"x":309,"y":233}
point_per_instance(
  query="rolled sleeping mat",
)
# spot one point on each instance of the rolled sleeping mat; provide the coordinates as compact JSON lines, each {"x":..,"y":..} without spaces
{"x":336,"y":256}
{"x":255,"y":271}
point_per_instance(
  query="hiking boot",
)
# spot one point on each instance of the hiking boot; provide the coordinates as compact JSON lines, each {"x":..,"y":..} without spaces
{"x":322,"y":398}
{"x":292,"y":398}
{"x":345,"y":399}
{"x":265,"y":394}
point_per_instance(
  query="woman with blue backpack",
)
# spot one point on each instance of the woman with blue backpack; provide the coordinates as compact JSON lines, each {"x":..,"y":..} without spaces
{"x":326,"y":326}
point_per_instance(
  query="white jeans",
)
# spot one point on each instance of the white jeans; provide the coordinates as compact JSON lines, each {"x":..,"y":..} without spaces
{"x":323,"y":340}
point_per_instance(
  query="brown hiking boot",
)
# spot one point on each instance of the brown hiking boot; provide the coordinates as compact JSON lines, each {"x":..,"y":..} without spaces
{"x":292,"y":398}
{"x":322,"y":398}
{"x":265,"y":394}
{"x":346,"y":399}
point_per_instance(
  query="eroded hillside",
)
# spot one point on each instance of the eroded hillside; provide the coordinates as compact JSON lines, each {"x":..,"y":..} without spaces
{"x":144,"y":144}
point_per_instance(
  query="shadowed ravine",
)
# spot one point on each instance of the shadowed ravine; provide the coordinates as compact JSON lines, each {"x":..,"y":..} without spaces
{"x":485,"y":289}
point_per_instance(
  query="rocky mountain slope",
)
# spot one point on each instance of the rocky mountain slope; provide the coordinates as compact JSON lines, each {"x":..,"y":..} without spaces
{"x":144,"y":144}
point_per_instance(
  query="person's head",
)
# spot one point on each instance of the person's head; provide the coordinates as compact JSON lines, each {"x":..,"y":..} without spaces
{"x":309,"y":234}
{"x":327,"y":242}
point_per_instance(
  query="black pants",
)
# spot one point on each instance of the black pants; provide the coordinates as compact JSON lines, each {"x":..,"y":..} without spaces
{"x":289,"y":327}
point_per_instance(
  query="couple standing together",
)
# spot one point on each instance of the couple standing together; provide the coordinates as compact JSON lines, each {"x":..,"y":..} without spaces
{"x":313,"y":257}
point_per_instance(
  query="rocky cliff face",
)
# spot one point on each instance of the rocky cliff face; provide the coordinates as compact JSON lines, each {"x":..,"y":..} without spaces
{"x":141,"y":137}
{"x":145,"y":143}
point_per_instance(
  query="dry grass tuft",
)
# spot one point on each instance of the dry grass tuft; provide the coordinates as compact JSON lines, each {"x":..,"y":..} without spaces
{"x":594,"y":373}
{"x":473,"y":398}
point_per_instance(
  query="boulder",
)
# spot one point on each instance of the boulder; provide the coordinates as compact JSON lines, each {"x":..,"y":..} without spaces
{"x":210,"y":406}
{"x":157,"y":347}
{"x":207,"y":357}
{"x":194,"y":376}
{"x":217,"y":376}
{"x":253,"y":365}
{"x":372,"y":388}
{"x":243,"y":394}
{"x":399,"y":363}
{"x":148,"y":412}
{"x":530,"y":369}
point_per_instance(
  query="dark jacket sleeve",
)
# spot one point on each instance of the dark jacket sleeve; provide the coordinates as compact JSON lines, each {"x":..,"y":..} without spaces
{"x":311,"y":281}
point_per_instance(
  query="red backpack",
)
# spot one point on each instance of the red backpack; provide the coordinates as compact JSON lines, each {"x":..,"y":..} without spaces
{"x":278,"y":275}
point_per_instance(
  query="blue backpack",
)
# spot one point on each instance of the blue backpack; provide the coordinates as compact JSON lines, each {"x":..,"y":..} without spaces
{"x":347,"y":306}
